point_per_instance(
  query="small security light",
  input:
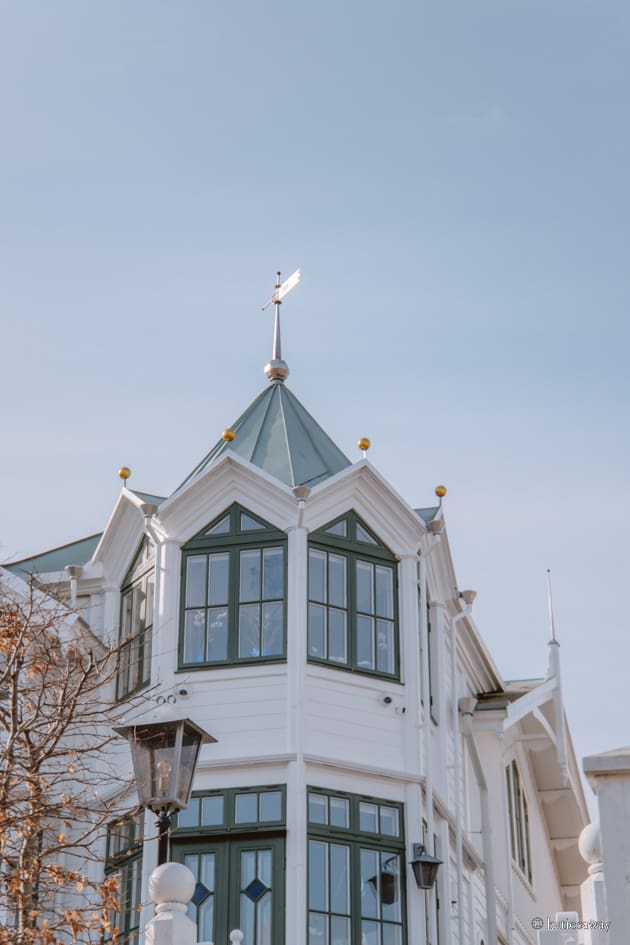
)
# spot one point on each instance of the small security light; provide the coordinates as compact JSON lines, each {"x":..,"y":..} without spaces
{"x":425,"y":867}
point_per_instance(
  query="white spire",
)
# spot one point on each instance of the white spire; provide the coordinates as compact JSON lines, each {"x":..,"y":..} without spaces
{"x":277,"y":369}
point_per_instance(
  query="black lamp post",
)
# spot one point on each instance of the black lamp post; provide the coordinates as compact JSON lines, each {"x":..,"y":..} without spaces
{"x":164,"y":759}
{"x":425,"y":867}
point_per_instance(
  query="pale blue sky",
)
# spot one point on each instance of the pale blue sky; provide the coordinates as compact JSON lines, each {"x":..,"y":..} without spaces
{"x":452,"y":179}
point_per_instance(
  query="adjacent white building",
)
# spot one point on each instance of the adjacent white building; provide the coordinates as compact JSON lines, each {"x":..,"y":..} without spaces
{"x":294,"y":605}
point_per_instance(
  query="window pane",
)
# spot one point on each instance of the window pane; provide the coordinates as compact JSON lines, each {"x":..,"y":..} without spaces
{"x":212,"y":811}
{"x":218,"y":579}
{"x":136,"y":893}
{"x":123,"y":684}
{"x":390,"y":826}
{"x":317,"y":875}
{"x":250,"y":575}
{"x":264,"y":867}
{"x":337,"y":580}
{"x":339,"y":931}
{"x":273,"y":629}
{"x":339,"y":812}
{"x":145,"y":669}
{"x":390,"y":887}
{"x":196,"y":581}
{"x":337,"y":649}
{"x":365,"y":642}
{"x":263,"y":921}
{"x":148,"y":619}
{"x":195,"y":636}
{"x":317,"y":929}
{"x":249,"y":524}
{"x":125,"y":630}
{"x":217,"y":634}
{"x":318,"y":808}
{"x":273,"y":574}
{"x":339,"y":528}
{"x":316,"y":634}
{"x":384,"y":578}
{"x":368,"y":817}
{"x":339,"y":879}
{"x":249,"y":631}
{"x":392,"y":935}
{"x":139,"y":610}
{"x":205,"y":920}
{"x":248,"y":864}
{"x":317,"y":575}
{"x":370,"y":884}
{"x":248,"y":918}
{"x":385,"y":646}
{"x":246,"y":812}
{"x":189,"y":816}
{"x":365,"y":600}
{"x":271,"y":805}
{"x":221,"y":528}
{"x":362,"y":535}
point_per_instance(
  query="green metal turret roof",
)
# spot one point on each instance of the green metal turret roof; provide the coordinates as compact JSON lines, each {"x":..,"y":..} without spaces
{"x":277,"y":434}
{"x":76,"y":552}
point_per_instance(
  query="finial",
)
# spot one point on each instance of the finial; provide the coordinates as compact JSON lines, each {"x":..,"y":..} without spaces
{"x":228,"y":435}
{"x":364,"y":445}
{"x":123,"y":473}
{"x":440,"y":492}
{"x":277,"y":369}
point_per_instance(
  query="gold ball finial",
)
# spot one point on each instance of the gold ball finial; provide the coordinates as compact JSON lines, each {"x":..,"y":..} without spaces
{"x":124,"y":472}
{"x":364,"y":444}
{"x":440,"y":491}
{"x":228,"y":435}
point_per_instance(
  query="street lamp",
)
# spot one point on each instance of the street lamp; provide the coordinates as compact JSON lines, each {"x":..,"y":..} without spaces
{"x":425,"y":867}
{"x":164,"y":757}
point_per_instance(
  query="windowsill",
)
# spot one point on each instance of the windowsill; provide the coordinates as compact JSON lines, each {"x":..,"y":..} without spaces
{"x":236,"y":670}
{"x":351,"y":677}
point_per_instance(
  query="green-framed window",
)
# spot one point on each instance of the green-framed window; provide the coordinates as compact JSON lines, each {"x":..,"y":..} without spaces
{"x":519,"y":820}
{"x":352,"y":599}
{"x":233,"y":606}
{"x":356,"y":890}
{"x":233,"y":841}
{"x":136,"y":623}
{"x":124,"y":863}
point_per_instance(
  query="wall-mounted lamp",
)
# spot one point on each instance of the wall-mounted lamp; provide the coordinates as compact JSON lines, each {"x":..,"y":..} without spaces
{"x":425,"y":867}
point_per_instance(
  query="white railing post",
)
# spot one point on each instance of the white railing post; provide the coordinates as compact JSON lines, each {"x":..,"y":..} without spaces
{"x":593,"y":889}
{"x":171,"y":886}
{"x":236,"y":937}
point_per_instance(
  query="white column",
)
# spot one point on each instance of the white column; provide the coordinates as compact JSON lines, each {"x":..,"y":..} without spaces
{"x":111,"y":613}
{"x":166,"y":631}
{"x":413,"y":732}
{"x":609,"y":776}
{"x":296,"y":850}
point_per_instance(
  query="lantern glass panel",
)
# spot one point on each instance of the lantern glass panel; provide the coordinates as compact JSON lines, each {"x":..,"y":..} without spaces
{"x":154,"y":756}
{"x":191,"y":742}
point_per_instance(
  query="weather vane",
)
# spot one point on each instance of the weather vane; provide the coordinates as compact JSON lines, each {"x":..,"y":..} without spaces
{"x":277,"y":369}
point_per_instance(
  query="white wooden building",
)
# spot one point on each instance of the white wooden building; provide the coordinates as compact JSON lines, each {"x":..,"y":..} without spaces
{"x":294,"y":605}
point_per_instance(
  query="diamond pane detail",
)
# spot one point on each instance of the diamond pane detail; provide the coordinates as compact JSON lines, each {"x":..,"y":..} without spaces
{"x":200,"y":894}
{"x":256,"y":890}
